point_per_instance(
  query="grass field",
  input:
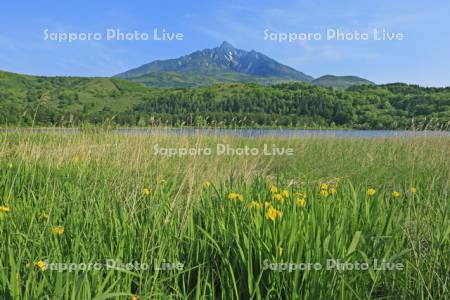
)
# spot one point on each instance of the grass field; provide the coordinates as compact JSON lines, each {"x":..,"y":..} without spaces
{"x":223,"y":227}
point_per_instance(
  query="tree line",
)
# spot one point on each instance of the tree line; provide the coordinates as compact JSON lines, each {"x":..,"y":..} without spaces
{"x":63,"y":101}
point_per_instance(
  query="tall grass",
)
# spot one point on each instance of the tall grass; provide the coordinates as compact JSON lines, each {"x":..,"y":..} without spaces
{"x":92,"y":184}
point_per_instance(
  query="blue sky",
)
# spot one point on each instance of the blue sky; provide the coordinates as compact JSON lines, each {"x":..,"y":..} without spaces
{"x":422,"y":57}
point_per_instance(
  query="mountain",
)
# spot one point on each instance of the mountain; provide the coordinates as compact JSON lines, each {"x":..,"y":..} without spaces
{"x":221,"y":64}
{"x":341,"y":82}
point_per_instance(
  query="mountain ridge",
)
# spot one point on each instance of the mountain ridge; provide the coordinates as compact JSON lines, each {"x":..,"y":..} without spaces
{"x":225,"y":59}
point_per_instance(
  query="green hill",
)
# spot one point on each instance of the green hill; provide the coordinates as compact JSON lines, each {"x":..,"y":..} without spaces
{"x":71,"y":101}
{"x":341,"y":82}
{"x":59,"y":98}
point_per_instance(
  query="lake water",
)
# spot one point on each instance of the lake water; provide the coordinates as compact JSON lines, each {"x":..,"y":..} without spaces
{"x":249,"y":132}
{"x":252,"y":132}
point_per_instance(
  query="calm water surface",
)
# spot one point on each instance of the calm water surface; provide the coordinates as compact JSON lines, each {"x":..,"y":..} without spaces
{"x":249,"y":132}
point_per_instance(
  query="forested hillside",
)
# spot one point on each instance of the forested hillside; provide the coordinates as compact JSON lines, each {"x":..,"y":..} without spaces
{"x":71,"y":101}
